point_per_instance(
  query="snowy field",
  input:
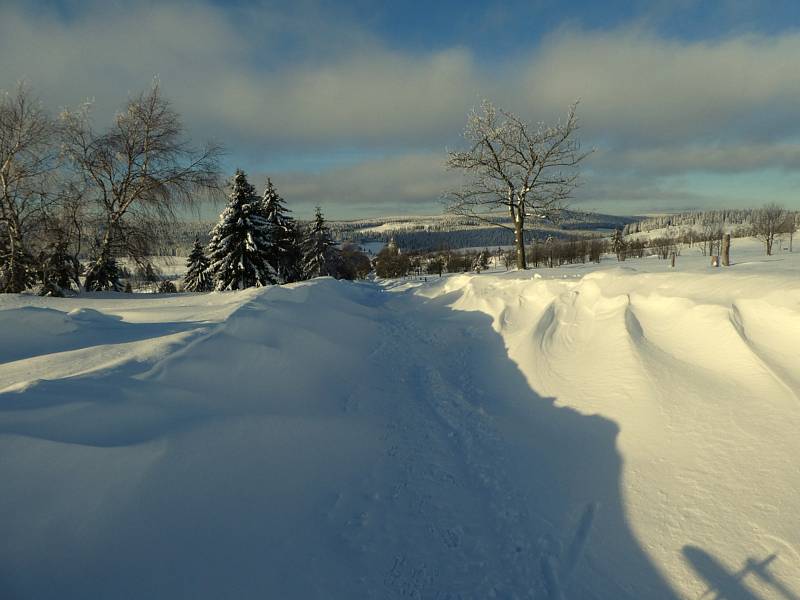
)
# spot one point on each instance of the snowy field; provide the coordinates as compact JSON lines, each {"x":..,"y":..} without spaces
{"x":620,"y":430}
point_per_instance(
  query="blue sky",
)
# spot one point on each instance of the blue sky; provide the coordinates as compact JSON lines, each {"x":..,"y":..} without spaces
{"x":689,"y":103}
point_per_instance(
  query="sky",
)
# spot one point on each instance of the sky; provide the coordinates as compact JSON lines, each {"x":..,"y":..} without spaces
{"x":688,"y":104}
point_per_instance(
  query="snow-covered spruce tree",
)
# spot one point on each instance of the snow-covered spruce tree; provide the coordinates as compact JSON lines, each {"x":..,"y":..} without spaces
{"x":58,"y":269}
{"x":240,"y":242}
{"x":102,"y":273}
{"x":481,"y":261}
{"x":17,"y":271}
{"x":149,"y":275}
{"x":197,"y":278}
{"x":284,"y":254}
{"x":618,"y":244}
{"x":318,"y":247}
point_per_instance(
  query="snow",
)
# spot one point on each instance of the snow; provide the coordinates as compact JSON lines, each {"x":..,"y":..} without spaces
{"x":620,"y":430}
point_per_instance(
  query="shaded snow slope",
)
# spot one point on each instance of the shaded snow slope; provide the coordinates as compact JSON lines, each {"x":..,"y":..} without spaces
{"x":614,"y":435}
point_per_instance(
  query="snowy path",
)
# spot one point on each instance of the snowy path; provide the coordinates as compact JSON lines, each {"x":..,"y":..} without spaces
{"x":336,"y":440}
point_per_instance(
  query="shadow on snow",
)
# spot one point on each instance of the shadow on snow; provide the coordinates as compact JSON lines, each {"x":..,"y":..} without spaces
{"x":332,"y":440}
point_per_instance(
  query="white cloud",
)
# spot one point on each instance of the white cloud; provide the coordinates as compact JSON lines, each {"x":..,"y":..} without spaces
{"x":635,"y":86}
{"x":269,"y":83}
{"x":404,"y":184}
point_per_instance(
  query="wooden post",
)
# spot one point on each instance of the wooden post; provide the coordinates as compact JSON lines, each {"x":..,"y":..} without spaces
{"x":673,"y":260}
{"x":726,"y":250}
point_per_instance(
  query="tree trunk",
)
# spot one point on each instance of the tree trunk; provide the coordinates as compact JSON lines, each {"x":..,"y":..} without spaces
{"x":17,"y":278}
{"x":519,"y":238}
{"x":726,"y":250}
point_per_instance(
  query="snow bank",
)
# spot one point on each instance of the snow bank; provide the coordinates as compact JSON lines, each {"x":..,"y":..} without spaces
{"x":611,"y":433}
{"x":700,"y":371}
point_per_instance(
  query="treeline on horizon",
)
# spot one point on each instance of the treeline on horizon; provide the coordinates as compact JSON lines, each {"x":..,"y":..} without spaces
{"x":75,"y":199}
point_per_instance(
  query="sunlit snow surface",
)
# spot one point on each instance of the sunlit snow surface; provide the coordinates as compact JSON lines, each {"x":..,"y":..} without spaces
{"x":620,"y":430}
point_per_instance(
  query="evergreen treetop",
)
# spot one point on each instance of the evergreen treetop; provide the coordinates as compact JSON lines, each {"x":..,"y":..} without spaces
{"x":240,"y":242}
{"x":284,"y":255}
{"x":274,"y":206}
{"x":197,"y":278}
{"x":317,"y":247}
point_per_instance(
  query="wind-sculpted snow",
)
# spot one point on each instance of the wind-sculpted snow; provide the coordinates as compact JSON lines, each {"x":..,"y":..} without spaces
{"x":701,"y":373}
{"x":619,"y":435}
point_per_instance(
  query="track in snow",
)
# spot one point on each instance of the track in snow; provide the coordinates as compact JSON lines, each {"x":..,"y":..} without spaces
{"x":326,"y":440}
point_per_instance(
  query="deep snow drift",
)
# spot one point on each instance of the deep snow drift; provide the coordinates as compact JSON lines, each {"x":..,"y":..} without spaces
{"x":596,"y":433}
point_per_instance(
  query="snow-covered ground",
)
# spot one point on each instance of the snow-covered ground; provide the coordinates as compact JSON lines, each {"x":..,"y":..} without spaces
{"x":595,"y":431}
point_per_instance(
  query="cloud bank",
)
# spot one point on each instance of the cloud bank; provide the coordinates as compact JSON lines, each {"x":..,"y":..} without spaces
{"x":280,"y":88}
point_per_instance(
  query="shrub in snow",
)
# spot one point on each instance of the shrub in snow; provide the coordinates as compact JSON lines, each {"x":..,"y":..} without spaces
{"x":435,"y":266}
{"x":239,"y":249}
{"x":351,"y":263}
{"x":390,"y":262}
{"x":167,"y":287}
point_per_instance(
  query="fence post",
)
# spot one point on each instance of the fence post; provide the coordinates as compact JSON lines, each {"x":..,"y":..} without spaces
{"x":726,"y":250}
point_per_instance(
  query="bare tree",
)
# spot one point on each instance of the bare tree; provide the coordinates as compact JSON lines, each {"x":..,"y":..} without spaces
{"x":28,"y":156}
{"x":767,"y":222}
{"x":515,"y":171}
{"x":712,"y":235}
{"x":136,"y":173}
{"x":789,"y":227}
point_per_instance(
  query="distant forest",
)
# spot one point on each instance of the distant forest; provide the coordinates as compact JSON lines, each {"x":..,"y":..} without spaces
{"x":432,"y":233}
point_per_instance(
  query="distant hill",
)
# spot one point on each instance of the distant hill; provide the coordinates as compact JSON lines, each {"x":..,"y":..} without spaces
{"x":432,"y":232}
{"x":454,"y":232}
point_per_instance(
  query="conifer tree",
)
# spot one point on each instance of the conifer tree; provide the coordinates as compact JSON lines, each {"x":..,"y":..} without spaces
{"x":197,"y":278}
{"x":17,"y":271}
{"x":481,"y":261}
{"x":284,"y":255}
{"x":618,"y":244}
{"x":318,"y":248}
{"x":239,"y":247}
{"x":103,"y":274}
{"x":58,"y":269}
{"x":147,"y":273}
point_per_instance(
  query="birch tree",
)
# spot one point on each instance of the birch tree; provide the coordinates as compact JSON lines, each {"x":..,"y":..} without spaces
{"x":514,"y":171}
{"x":28,"y":156}
{"x":137,"y":173}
